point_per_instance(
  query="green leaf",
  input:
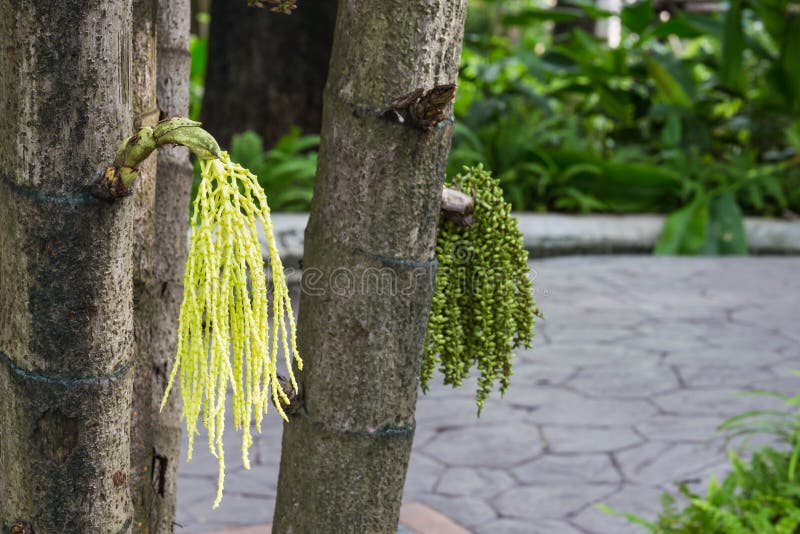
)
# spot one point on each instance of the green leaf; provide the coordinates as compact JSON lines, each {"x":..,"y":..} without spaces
{"x":638,"y":16}
{"x":462,"y":135}
{"x":247,"y":148}
{"x":755,"y":197}
{"x":287,"y":141}
{"x":684,"y":230}
{"x":556,"y":14}
{"x":709,"y":26}
{"x":772,"y":14}
{"x":680,"y":26}
{"x":295,"y":169}
{"x":198,"y":48}
{"x":621,"y":186}
{"x":669,"y":81}
{"x":582,"y":168}
{"x":672,"y":133}
{"x":726,"y":233}
{"x":293,"y":200}
{"x":591,"y":9}
{"x":790,"y":57}
{"x":305,"y":143}
{"x":794,"y":459}
{"x":773,"y":187}
{"x":616,"y":104}
{"x":733,"y":44}
{"x":630,"y":517}
{"x":583,"y":202}
{"x":793,"y":136}
{"x":744,"y":418}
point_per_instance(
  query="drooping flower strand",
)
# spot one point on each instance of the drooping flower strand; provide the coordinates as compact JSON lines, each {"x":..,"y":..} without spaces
{"x":225,"y":336}
{"x":483,"y":304}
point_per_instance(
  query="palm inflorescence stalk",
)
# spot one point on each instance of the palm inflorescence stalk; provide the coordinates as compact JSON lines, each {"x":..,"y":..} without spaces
{"x":228,"y":335}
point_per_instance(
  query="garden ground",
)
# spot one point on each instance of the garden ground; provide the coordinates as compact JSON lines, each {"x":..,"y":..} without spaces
{"x":637,"y":362}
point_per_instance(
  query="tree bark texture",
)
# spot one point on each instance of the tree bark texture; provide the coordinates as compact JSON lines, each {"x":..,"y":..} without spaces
{"x":66,"y":325}
{"x":369,"y":268}
{"x":145,"y":113}
{"x":173,"y":193}
{"x":266,"y":71}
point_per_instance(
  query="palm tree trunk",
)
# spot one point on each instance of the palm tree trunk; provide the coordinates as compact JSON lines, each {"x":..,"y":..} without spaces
{"x":369,"y":268}
{"x":173,"y":192}
{"x":145,"y":288}
{"x":66,"y":325}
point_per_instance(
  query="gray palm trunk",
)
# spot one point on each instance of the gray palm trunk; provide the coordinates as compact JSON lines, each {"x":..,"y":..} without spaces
{"x":89,"y":289}
{"x":369,"y":269}
{"x":66,"y":292}
{"x":173,"y":193}
{"x":161,"y":70}
{"x":145,"y":289}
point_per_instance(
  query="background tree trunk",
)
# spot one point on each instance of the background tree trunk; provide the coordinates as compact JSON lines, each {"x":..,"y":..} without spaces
{"x":266,"y":71}
{"x":173,"y":192}
{"x":66,"y":342}
{"x":145,"y":289}
{"x":198,"y":27}
{"x":369,"y":267}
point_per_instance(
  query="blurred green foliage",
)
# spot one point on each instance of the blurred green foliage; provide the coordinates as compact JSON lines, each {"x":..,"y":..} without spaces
{"x":286,"y":171}
{"x":198,"y":47}
{"x":696,"y":115}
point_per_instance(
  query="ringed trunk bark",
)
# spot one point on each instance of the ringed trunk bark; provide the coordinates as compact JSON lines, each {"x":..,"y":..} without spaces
{"x":369,"y":269}
{"x":66,"y":340}
{"x":145,"y":113}
{"x":173,"y":191}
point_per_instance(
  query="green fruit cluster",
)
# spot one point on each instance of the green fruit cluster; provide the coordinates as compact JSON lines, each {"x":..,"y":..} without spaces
{"x":483,"y":304}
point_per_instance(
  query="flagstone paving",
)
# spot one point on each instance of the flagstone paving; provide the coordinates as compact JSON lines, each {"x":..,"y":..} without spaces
{"x":637,"y":362}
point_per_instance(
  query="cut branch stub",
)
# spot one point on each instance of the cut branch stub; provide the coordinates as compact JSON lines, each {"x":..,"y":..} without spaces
{"x":422,"y":109}
{"x":458,"y":206}
{"x":117,"y":179}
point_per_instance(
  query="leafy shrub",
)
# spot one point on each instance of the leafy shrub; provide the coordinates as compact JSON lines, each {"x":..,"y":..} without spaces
{"x":695,"y":115}
{"x":286,"y":171}
{"x":698,"y":113}
{"x":759,"y":496}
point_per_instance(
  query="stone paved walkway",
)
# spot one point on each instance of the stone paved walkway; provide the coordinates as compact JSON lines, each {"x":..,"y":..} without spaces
{"x":636,"y":364}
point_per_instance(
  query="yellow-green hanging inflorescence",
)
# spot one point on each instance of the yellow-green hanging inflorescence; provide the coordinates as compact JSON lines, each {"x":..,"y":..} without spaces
{"x":229,"y":333}
{"x":483,"y":304}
